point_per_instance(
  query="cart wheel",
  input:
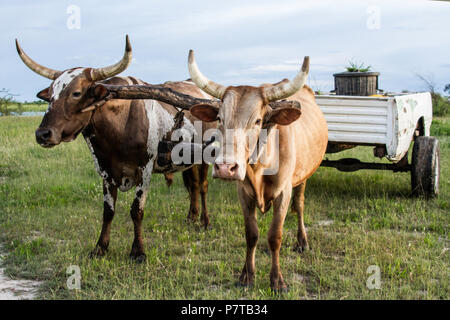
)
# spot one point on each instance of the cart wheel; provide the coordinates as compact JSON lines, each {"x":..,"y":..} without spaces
{"x":425,"y":167}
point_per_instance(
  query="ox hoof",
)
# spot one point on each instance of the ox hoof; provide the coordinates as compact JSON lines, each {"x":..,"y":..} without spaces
{"x":277,"y":284}
{"x":278,"y":291}
{"x":97,"y":252}
{"x":204,"y":220}
{"x":301,"y":246}
{"x":245,"y":280}
{"x":244,"y":285}
{"x":138,"y":257}
{"x":191,"y":218}
{"x":192,"y":223}
{"x":207,"y":226}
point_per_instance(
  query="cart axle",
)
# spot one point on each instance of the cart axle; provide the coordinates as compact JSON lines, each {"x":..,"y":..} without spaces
{"x":352,"y":164}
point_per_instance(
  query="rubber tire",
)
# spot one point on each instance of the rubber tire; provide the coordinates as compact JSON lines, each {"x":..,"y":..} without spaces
{"x":425,"y":169}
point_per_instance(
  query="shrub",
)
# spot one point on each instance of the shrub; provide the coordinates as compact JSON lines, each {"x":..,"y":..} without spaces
{"x":357,"y":67}
{"x":441,"y":105}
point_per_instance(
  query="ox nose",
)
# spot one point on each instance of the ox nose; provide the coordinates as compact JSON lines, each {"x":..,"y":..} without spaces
{"x":43,"y":135}
{"x":226,"y":170}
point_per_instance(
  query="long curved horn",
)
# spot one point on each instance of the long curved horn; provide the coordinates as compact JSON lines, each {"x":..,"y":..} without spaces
{"x":210,"y":87}
{"x":36,"y":67}
{"x":108,"y":72}
{"x":288,"y":88}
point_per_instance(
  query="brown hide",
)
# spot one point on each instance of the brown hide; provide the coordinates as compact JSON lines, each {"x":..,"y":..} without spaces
{"x":302,"y":146}
{"x":118,"y":131}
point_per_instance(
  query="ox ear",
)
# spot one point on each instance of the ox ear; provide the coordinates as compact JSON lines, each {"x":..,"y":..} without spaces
{"x":282,"y":116}
{"x":99,"y":92}
{"x":204,"y":112}
{"x":44,"y":95}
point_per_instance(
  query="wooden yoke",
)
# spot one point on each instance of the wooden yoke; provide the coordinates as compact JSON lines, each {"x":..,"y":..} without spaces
{"x":155,"y":92}
{"x":166,"y":95}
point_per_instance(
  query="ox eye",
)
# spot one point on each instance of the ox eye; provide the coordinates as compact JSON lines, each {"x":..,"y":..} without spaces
{"x":76,"y":94}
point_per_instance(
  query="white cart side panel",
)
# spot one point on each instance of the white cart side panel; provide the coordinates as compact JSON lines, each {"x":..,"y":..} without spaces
{"x":407,"y":110}
{"x":355,"y":119}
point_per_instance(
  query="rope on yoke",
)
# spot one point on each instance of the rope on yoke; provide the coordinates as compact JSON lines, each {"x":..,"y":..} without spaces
{"x":178,"y":119}
{"x":99,"y":103}
{"x":166,"y":145}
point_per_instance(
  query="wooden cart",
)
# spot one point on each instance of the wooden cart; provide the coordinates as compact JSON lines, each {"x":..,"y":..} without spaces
{"x":390,"y":124}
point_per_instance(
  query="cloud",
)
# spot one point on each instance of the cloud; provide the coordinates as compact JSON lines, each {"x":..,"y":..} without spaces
{"x":235,"y":42}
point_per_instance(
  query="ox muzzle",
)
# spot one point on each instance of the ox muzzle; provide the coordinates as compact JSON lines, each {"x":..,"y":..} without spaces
{"x":46,"y":137}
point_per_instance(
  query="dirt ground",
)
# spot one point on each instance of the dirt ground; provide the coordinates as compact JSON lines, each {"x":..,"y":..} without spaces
{"x":16,"y":289}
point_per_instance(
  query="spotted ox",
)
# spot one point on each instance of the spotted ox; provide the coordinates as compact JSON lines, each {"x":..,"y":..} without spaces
{"x":302,"y":139}
{"x":122,"y":136}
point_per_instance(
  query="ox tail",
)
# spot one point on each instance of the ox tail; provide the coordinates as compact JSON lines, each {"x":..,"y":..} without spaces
{"x":169,"y":179}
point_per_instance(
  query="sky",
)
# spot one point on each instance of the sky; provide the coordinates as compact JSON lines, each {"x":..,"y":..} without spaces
{"x":235,"y":42}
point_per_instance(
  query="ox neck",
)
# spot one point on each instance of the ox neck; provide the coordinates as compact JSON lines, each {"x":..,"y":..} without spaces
{"x":253,"y":183}
{"x":105,"y":119}
{"x":253,"y":186}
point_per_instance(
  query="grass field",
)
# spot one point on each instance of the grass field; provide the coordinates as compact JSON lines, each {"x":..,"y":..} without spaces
{"x":51,"y":211}
{"x":20,"y":108}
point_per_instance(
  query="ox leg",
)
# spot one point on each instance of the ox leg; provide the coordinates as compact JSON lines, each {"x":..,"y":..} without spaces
{"x":281,"y":205}
{"x":109,"y":203}
{"x":191,"y":182}
{"x":203,"y":192}
{"x":298,"y":204}
{"x":137,"y":214}
{"x":251,"y":235}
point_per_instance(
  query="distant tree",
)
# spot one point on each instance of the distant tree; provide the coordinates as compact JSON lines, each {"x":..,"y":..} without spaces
{"x":431,"y":85}
{"x":441,"y":105}
{"x":447,"y":88}
{"x":6,"y":99}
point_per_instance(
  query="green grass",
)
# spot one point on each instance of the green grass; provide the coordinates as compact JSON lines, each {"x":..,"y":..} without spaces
{"x":51,"y":211}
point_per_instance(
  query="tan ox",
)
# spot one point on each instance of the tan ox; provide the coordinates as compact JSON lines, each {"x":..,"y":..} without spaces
{"x":302,"y":140}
